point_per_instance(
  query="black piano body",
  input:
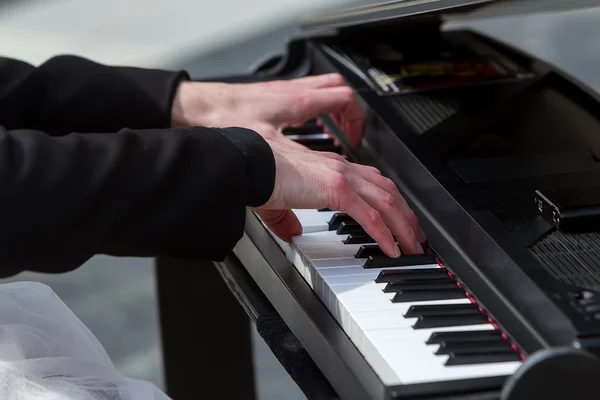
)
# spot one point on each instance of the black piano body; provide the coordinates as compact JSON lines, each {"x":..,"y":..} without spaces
{"x":468,"y":155}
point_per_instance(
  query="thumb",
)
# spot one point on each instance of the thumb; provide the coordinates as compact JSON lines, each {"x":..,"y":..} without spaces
{"x":283,"y":223}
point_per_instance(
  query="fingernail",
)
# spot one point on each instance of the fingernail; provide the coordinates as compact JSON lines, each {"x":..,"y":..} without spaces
{"x":396,"y":251}
{"x":418,"y":247}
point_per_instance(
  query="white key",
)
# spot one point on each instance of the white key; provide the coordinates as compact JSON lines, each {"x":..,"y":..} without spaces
{"x":398,"y":352}
{"x":314,"y":220}
{"x":317,"y":237}
{"x":397,"y":346}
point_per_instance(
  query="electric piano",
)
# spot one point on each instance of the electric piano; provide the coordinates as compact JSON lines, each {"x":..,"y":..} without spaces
{"x":481,"y":138}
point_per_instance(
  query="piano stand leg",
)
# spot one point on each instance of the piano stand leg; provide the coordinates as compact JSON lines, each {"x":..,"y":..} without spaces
{"x":206,"y":337}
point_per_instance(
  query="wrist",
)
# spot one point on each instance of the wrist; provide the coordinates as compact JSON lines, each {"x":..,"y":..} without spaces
{"x":193,"y":105}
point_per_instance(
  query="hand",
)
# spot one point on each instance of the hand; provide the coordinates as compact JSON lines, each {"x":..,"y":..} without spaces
{"x":268,"y":107}
{"x":309,"y":179}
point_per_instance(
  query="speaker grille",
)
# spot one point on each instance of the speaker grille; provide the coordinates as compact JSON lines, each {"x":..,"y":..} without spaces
{"x":573,"y":259}
{"x":422,"y":111}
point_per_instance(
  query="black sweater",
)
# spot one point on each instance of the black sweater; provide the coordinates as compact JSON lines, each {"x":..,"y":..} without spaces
{"x":89,"y":165}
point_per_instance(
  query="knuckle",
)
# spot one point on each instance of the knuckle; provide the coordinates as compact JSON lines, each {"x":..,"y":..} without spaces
{"x":340,"y":183}
{"x":374,"y":217}
{"x":338,"y":164}
{"x":373,"y":170}
{"x":346,"y":94}
{"x":389,"y":186}
{"x":337,"y":79}
{"x":389,"y":200}
{"x":336,"y":157}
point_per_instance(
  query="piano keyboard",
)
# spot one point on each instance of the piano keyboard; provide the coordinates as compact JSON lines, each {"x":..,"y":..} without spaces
{"x":409,"y":317}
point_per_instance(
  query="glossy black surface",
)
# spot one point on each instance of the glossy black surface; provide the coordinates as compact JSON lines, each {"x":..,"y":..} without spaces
{"x":470,"y":177}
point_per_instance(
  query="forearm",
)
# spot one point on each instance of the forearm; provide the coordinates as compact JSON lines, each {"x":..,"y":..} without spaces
{"x":72,"y":94}
{"x":135,"y":193}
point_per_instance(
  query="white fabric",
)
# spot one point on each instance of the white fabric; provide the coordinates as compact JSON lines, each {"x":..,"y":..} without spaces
{"x":46,"y":352}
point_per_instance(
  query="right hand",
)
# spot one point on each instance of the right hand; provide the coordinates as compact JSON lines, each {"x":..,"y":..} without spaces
{"x":308,"y":179}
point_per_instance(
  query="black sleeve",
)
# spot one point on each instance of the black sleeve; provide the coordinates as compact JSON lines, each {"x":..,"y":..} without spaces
{"x":71,"y":94}
{"x":178,"y":192}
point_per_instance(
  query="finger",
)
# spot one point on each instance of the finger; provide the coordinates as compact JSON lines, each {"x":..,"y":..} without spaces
{"x":336,"y":100}
{"x":373,"y":175}
{"x":344,"y":198}
{"x":317,"y":81}
{"x":282,"y":223}
{"x":387,"y":205}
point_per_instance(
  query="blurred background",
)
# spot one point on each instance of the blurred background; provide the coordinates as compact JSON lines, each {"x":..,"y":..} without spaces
{"x":116,"y":298}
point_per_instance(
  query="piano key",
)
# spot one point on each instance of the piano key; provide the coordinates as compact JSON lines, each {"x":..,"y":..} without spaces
{"x":313,"y":220}
{"x":309,"y":138}
{"x":400,"y":275}
{"x":369,"y":316}
{"x":352,"y":266}
{"x":369,"y":250}
{"x":420,"y":286}
{"x":499,"y":345}
{"x":436,"y":321}
{"x":393,"y":317}
{"x":482,"y":358}
{"x":350,"y":227}
{"x":458,"y":309}
{"x":428,"y":295}
{"x":328,"y":250}
{"x":324,"y":209}
{"x":358,"y":239}
{"x":407,"y":284}
{"x":317,"y":238}
{"x":307,"y":128}
{"x":403,"y":260}
{"x":403,"y":352}
{"x":364,"y":298}
{"x":473,"y":336}
{"x":337,"y":219}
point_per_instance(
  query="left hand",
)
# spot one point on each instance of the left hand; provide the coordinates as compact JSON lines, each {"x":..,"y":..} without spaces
{"x":268,"y":107}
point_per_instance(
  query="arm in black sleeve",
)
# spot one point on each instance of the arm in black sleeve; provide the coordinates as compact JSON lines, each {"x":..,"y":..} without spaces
{"x":178,"y":192}
{"x":71,"y":94}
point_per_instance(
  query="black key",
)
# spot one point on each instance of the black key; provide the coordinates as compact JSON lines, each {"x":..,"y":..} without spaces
{"x":442,"y":309}
{"x":495,"y":346}
{"x":348,"y":227}
{"x":308,"y":128}
{"x":428,"y":295}
{"x":369,"y":250}
{"x":420,"y":285}
{"x":324,"y":209}
{"x":481,"y":358}
{"x":405,"y":260}
{"x":358,"y":239}
{"x":435,"y":321}
{"x":337,"y":219}
{"x":464,"y":336}
{"x":395,"y":275}
{"x":313,"y":139}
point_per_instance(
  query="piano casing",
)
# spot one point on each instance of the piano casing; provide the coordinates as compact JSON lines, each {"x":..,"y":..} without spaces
{"x":468,"y":159}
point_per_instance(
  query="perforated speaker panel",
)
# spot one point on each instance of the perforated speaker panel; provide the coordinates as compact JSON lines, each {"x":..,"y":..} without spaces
{"x":573,"y":259}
